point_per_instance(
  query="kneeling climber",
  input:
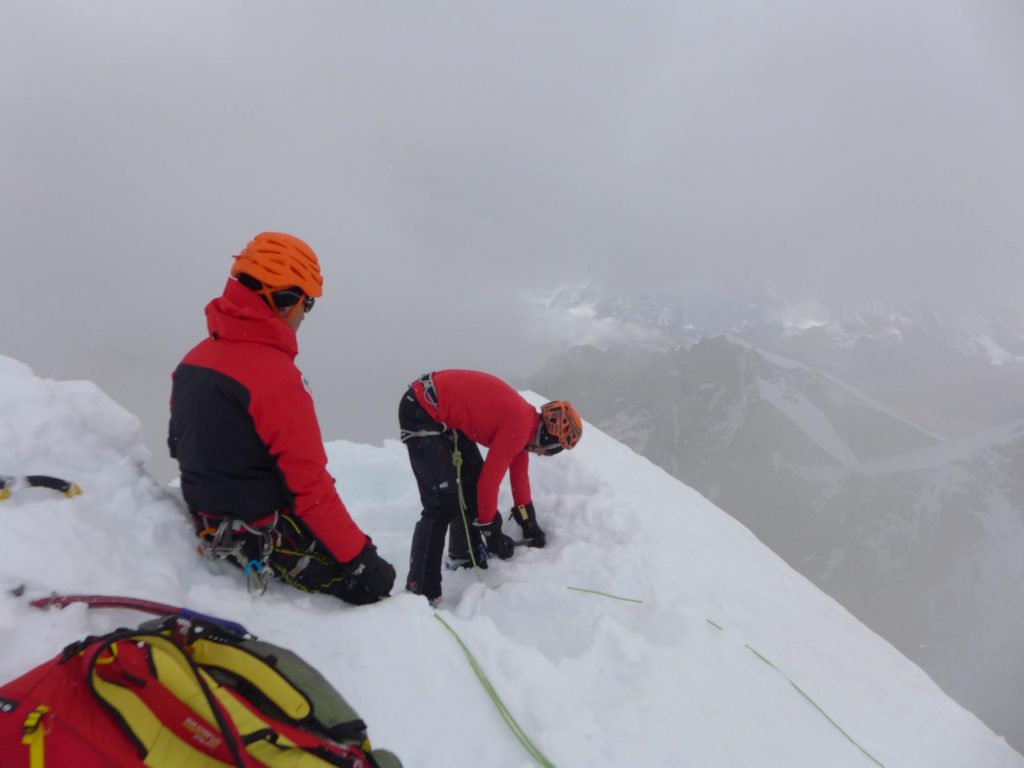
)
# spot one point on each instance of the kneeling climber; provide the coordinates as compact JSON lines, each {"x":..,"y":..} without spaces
{"x":245,"y":433}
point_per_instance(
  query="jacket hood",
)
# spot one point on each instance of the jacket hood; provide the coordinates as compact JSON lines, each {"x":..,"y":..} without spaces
{"x":239,"y":314}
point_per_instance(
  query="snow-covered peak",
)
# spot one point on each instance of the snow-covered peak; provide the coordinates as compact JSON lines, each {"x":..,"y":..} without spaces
{"x":726,"y":657}
{"x":770,"y":319}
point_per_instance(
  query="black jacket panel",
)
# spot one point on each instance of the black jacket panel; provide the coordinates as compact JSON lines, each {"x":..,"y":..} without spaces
{"x":226,"y":468}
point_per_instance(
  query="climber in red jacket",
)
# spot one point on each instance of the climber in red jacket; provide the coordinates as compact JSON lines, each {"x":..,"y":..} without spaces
{"x":443,"y":416}
{"x":246,"y":437}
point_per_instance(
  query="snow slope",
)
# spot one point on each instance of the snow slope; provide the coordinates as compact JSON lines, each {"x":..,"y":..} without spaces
{"x":919,"y":539}
{"x":594,"y":681}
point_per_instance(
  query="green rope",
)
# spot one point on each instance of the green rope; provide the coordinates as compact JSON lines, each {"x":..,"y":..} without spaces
{"x":813,"y":704}
{"x":605,"y":594}
{"x":457,"y":461}
{"x":811,"y":701}
{"x":516,"y":729}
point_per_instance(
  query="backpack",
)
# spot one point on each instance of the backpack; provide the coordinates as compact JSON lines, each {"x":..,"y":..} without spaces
{"x":180,"y":693}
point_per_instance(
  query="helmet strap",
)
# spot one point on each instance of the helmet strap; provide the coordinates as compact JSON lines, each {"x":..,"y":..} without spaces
{"x":546,"y":448}
{"x":540,"y":426}
{"x":296,"y":307}
{"x":268,"y":296}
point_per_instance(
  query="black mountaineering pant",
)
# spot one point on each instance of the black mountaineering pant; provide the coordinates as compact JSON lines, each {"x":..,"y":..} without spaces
{"x":431,"y":447}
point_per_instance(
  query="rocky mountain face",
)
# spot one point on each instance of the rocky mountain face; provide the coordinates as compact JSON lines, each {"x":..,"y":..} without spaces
{"x":954,"y":373}
{"x":917,"y":534}
{"x":926,"y":547}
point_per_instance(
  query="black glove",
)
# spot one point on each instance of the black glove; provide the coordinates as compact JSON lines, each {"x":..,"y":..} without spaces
{"x":525,"y":515}
{"x":370,"y":577}
{"x":498,"y":544}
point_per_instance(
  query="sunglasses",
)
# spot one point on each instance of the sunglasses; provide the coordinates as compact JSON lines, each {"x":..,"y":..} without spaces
{"x":288,"y":297}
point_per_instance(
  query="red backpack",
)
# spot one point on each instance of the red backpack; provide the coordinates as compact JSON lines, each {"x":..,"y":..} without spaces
{"x":180,"y":692}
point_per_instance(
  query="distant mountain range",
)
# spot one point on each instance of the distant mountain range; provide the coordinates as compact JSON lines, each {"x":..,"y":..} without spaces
{"x":830,"y":439}
{"x":951,"y":372}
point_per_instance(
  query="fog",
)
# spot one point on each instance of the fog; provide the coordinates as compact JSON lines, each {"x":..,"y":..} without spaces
{"x":454,"y":162}
{"x":457,"y":164}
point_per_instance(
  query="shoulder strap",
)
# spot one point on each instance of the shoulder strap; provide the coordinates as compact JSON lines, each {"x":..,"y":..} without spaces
{"x":160,"y":698}
{"x":249,"y":667}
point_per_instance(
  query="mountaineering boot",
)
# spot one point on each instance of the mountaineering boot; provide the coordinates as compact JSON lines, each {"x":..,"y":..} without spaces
{"x":463,"y":560}
{"x":425,"y":557}
{"x":458,"y":548}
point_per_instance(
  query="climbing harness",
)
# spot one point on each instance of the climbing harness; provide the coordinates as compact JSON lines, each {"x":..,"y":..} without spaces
{"x":227,"y":541}
{"x":429,"y":390}
{"x":280,"y":548}
{"x":406,"y":434}
{"x":430,"y":395}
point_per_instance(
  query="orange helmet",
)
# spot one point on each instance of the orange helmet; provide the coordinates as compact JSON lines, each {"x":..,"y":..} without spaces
{"x":279,"y":260}
{"x":562,"y":422}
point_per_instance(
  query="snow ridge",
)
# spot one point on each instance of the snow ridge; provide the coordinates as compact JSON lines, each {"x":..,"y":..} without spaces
{"x":669,"y":681}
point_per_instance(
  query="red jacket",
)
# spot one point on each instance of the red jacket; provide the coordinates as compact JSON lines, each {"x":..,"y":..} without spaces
{"x":244,"y":429}
{"x":489,"y":412}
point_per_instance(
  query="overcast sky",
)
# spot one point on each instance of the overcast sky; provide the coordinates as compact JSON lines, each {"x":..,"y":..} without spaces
{"x":448,"y":159}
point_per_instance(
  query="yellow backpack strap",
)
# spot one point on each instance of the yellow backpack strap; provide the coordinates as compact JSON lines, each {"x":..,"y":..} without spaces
{"x":201,"y":740}
{"x":261,"y":736}
{"x":33,"y":732}
{"x":241,"y":663}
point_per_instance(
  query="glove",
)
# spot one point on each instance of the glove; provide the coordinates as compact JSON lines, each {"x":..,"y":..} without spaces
{"x":370,"y":576}
{"x":498,"y":544}
{"x":525,"y":515}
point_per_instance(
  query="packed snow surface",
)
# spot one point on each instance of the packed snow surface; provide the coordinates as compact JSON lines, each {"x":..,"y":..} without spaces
{"x":728,"y":658}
